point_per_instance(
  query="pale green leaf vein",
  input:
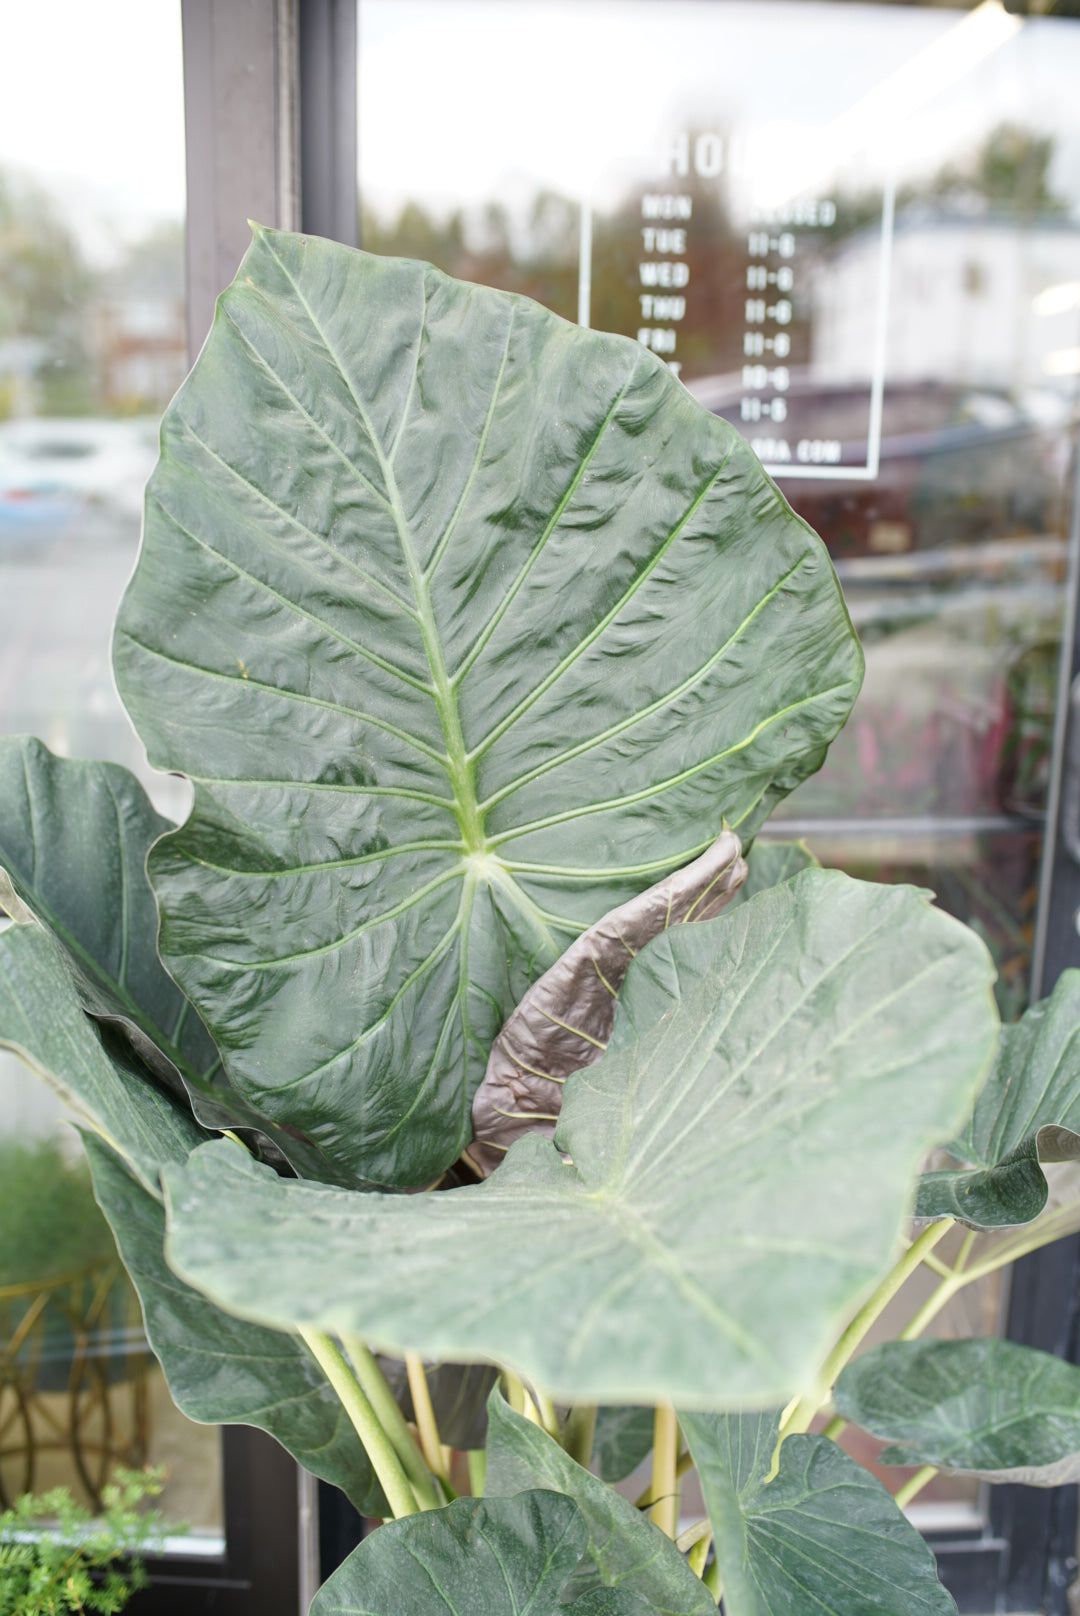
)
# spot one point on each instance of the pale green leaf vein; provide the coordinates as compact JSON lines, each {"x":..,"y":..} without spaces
{"x":285,"y":694}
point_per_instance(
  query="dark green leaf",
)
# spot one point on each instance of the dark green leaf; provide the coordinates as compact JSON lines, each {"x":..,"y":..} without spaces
{"x":1028,"y":1112}
{"x":459,"y":1394}
{"x":822,"y":1536}
{"x":624,"y":1436}
{"x":220,"y":1370}
{"x":994,"y":1408}
{"x":742,"y":1162}
{"x":74,"y":839}
{"x":624,"y":1546}
{"x":564,"y":1021}
{"x":768,"y":863}
{"x":468,"y":625}
{"x":42,"y":1022}
{"x":502,"y":1557}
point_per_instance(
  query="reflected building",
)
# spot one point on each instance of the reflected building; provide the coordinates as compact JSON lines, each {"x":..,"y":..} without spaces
{"x":991,"y":301}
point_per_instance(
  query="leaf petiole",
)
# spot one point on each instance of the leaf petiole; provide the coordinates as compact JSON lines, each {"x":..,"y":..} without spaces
{"x":380,"y":1450}
{"x":801,"y":1417}
{"x":426,"y":1423}
{"x":916,"y":1484}
{"x":665,"y":1469}
{"x":373,"y":1383}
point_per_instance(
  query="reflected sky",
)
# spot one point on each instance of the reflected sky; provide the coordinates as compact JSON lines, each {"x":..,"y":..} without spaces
{"x":462,"y":102}
{"x":91,"y":107}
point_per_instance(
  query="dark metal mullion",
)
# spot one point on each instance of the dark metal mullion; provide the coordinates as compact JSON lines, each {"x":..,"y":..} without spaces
{"x":240,"y":114}
{"x":1057,"y":945}
{"x":258,"y":1575}
{"x":1039,"y":1526}
{"x":240,"y":106}
{"x":328,"y":123}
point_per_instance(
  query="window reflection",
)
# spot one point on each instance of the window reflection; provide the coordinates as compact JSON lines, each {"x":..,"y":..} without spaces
{"x":853,"y":232}
{"x":92,"y":345}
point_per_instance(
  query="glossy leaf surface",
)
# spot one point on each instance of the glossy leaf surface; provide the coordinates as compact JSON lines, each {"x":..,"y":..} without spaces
{"x":467,"y":625}
{"x":624,"y":1437}
{"x":43,"y":1023}
{"x":476,"y":1557}
{"x":221,"y":1370}
{"x":564,"y":1021}
{"x":742,"y":1162}
{"x":1028,"y":1112}
{"x":625,"y":1549}
{"x":74,"y":838}
{"x":993,"y":1408}
{"x":822,"y":1536}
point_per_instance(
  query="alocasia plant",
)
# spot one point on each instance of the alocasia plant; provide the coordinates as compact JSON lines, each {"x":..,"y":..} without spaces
{"x":550,"y":1108}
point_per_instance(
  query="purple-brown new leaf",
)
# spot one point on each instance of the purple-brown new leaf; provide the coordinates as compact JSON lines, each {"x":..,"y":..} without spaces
{"x":564,"y":1021}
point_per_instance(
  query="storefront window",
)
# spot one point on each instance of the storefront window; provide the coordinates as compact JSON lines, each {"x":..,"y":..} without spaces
{"x":92,"y":344}
{"x":854,"y":232}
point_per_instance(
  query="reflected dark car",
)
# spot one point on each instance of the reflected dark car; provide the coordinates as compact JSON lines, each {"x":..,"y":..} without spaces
{"x":958,"y":465}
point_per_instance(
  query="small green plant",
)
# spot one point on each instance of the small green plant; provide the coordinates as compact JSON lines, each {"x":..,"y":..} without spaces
{"x":55,"y":1557}
{"x":465,"y":1033}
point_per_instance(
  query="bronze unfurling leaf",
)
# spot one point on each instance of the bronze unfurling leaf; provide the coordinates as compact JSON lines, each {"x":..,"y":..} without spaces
{"x":564,"y":1021}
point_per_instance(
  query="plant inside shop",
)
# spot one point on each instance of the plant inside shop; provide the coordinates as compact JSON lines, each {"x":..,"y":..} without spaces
{"x":50,"y":1224}
{"x":464,"y":1070}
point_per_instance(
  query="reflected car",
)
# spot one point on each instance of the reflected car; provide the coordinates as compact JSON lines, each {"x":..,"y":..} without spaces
{"x":52,"y":470}
{"x":958,"y":465}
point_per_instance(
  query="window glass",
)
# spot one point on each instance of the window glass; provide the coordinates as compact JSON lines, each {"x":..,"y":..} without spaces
{"x":92,"y":344}
{"x":852,"y":231}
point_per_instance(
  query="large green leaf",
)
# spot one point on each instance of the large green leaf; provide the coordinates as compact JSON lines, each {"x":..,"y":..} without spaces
{"x":42,"y":1022}
{"x":1028,"y":1112}
{"x":624,"y":1547}
{"x":73,"y":841}
{"x":742,"y":1163}
{"x":821,"y":1536}
{"x":467,"y":625}
{"x":995,"y":1408}
{"x":503,"y":1557}
{"x":74,"y":838}
{"x":220,"y":1370}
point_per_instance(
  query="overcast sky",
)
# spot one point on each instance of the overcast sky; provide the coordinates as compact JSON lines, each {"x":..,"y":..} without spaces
{"x":92,"y":106}
{"x":464,"y":99}
{"x":461,"y":101}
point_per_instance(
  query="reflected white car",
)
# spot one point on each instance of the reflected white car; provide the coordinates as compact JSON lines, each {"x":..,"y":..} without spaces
{"x":50,"y":469}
